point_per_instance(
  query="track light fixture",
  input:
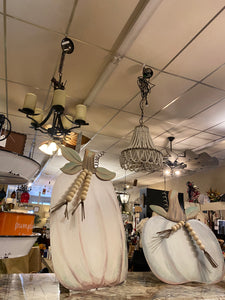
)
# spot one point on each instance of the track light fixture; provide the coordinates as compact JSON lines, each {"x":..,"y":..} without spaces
{"x":61,"y":124}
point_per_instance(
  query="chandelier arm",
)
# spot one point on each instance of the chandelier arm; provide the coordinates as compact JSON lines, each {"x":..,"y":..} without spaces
{"x":42,"y":122}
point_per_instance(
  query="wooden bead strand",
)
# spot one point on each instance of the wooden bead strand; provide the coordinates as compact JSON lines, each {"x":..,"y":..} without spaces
{"x":200,"y":245}
{"x":72,"y":191}
{"x":76,"y":185}
{"x":83,"y":194}
{"x":194,"y":236}
{"x":166,"y":233}
{"x":85,"y":186}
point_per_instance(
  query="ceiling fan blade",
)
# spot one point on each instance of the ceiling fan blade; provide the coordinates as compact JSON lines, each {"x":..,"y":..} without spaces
{"x":189,"y":155}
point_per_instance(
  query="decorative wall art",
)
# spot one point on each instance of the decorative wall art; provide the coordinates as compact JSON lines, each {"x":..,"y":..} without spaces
{"x":180,"y":249}
{"x":87,"y":233}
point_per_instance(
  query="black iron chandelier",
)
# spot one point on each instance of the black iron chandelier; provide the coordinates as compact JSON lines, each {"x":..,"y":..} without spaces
{"x":61,"y":124}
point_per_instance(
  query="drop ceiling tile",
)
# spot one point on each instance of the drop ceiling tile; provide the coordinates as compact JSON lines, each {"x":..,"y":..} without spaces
{"x":82,"y":68}
{"x":119,"y":146}
{"x":2,"y":54}
{"x":211,"y":117}
{"x":171,"y":27}
{"x":2,"y":97}
{"x":158,"y":127}
{"x":179,"y":133}
{"x":217,"y":78}
{"x":216,"y":147}
{"x":198,"y":140}
{"x":204,"y":54}
{"x":101,"y":143}
{"x":35,"y":64}
{"x":20,"y":124}
{"x":218,"y":129}
{"x":121,"y":125}
{"x":189,"y":104}
{"x":52,"y":14}
{"x":121,"y":86}
{"x":98,"y":116}
{"x":100,"y":22}
{"x":32,"y":54}
{"x":167,"y":88}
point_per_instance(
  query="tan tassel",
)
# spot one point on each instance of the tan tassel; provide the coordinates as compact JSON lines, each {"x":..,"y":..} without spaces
{"x":210,"y":259}
{"x":58,"y":206}
{"x":66,"y":214}
{"x":165,"y":233}
{"x":82,"y":210}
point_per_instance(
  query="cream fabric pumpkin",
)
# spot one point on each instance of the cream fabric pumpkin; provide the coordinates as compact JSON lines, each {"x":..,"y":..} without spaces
{"x":180,"y":249}
{"x":177,"y":259}
{"x":88,"y":253}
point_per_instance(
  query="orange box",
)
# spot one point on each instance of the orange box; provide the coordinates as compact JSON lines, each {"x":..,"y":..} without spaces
{"x":14,"y":223}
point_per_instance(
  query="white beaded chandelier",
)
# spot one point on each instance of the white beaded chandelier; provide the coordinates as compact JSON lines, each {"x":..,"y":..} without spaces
{"x":142,"y":155}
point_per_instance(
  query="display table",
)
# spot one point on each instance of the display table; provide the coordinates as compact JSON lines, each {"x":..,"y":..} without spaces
{"x":139,"y":285}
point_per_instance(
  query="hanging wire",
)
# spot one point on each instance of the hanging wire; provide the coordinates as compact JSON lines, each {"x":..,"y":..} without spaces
{"x":5,"y":54}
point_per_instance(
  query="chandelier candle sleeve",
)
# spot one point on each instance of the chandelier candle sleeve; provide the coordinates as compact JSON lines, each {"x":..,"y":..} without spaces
{"x":30,"y":101}
{"x":81,"y":111}
{"x":59,"y":98}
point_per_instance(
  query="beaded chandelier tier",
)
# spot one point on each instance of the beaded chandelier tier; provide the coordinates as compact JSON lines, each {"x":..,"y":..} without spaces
{"x":142,"y":155}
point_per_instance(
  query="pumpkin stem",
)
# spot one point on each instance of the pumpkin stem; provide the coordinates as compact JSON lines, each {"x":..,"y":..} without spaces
{"x":89,"y":161}
{"x":175,"y":212}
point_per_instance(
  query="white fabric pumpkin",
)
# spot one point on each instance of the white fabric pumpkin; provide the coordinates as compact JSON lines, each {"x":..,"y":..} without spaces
{"x":177,"y":259}
{"x":172,"y":246}
{"x":90,"y":253}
